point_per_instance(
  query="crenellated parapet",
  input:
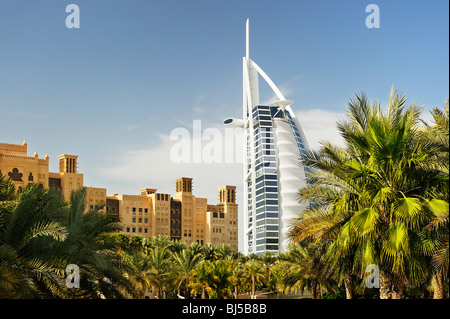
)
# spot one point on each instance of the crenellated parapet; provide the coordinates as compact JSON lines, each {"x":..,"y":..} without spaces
{"x":18,"y":149}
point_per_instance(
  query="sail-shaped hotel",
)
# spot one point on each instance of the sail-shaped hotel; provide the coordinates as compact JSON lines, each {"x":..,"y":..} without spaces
{"x":273,"y":171}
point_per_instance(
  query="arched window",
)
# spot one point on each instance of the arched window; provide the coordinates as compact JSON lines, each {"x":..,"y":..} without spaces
{"x":15,"y":175}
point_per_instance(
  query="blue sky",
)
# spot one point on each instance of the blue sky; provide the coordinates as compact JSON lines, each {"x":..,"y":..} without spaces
{"x":113,"y":90}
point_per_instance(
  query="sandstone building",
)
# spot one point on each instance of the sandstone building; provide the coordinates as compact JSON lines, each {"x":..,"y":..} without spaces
{"x":182,"y":216}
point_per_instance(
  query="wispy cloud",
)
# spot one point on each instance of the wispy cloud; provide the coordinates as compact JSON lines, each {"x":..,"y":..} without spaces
{"x":286,"y":92}
{"x":131,"y":127}
{"x":198,"y":109}
{"x":285,"y":88}
{"x":320,"y":125}
{"x":28,"y":114}
{"x":153,"y":167}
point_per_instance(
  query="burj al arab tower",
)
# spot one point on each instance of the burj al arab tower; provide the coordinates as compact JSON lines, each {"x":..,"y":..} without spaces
{"x":273,"y":171}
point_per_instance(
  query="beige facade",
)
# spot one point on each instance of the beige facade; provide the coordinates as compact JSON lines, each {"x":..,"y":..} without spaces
{"x":95,"y":198}
{"x":21,"y":168}
{"x":193,"y":212}
{"x":222,"y":219}
{"x":182,"y":216}
{"x":147,"y":214}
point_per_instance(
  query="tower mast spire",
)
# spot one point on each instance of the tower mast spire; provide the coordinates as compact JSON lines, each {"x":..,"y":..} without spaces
{"x":247,"y":41}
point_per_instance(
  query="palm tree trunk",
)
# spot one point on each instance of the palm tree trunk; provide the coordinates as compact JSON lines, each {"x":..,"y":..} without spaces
{"x":438,"y":286}
{"x":314,"y":290}
{"x":385,"y":287}
{"x":397,"y":289}
{"x":188,"y":291}
{"x":158,"y":293}
{"x":348,"y":282}
{"x":397,"y":294}
{"x":236,"y":292}
{"x":253,"y":287}
{"x":390,"y":290}
{"x":203,"y":292}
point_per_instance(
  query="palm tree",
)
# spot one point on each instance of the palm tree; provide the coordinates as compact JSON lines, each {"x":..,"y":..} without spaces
{"x":202,"y":278}
{"x":8,"y":256}
{"x":255,"y":273}
{"x":288,"y":274}
{"x":7,"y":190}
{"x":389,"y":228}
{"x":220,"y":285}
{"x":333,"y":196}
{"x":223,"y":250}
{"x":136,"y":270}
{"x":158,"y":241}
{"x":438,"y":229}
{"x":100,"y":265}
{"x":119,"y":241}
{"x":136,"y":243}
{"x":313,"y":271}
{"x":176,"y":247}
{"x":370,"y":199}
{"x":267,"y":261}
{"x":436,"y":139}
{"x":27,"y":232}
{"x":159,"y":269}
{"x":185,"y":263}
{"x":237,"y":272}
{"x":210,"y":252}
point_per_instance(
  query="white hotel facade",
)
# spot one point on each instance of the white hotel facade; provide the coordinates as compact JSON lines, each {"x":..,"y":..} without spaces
{"x":273,"y":171}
